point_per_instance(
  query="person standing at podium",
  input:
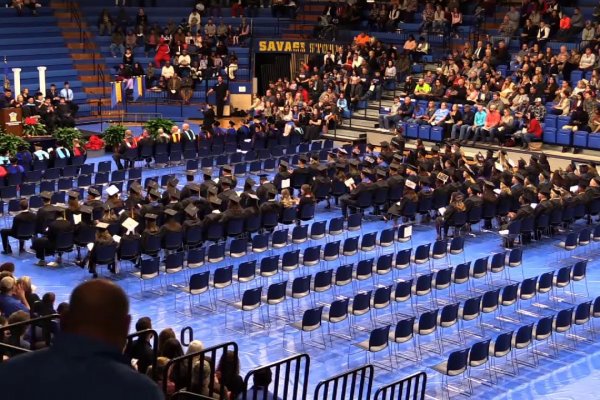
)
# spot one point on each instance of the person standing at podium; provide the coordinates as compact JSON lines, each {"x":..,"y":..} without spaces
{"x":7,"y":100}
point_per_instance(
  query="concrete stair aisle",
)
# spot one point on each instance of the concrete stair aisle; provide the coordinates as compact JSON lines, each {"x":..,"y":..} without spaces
{"x":86,"y":57}
{"x":303,"y":26}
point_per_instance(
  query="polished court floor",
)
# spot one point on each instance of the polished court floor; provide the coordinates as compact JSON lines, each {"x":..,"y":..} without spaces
{"x":573,"y":374}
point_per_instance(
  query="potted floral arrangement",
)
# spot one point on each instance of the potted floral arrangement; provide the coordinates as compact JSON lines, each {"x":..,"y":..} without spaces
{"x":113,"y":136}
{"x":12,"y":143}
{"x":153,"y":125}
{"x":66,"y":136}
{"x":33,"y":127}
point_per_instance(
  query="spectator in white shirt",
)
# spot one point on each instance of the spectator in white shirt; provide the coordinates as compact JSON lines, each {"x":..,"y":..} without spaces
{"x":543,"y":34}
{"x":195,"y":21}
{"x":67,"y":92}
{"x":587,"y":61}
{"x":167,"y":71}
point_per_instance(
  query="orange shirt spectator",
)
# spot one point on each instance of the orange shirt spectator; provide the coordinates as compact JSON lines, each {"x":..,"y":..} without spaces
{"x":362,"y":39}
{"x":492,"y":119}
{"x":565,"y":23}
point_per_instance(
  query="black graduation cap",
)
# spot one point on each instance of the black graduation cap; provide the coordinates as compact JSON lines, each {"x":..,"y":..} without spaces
{"x":213,"y":190}
{"x":106,"y":207}
{"x":546,"y":174}
{"x":519,"y":177}
{"x":367,"y":171}
{"x":263,"y":176}
{"x":354,"y":162}
{"x":303,"y":158}
{"x":235,"y":198}
{"x":273,"y":191}
{"x":173,"y":182}
{"x":315,"y":157}
{"x":194,"y":187}
{"x":136,"y":188}
{"x":489,"y":184}
{"x":226,"y":181}
{"x":425,"y":180}
{"x":216,"y":201}
{"x":381,"y":173}
{"x":545,"y":192}
{"x":340,"y":165}
{"x":284,"y":163}
{"x":384,"y":144}
{"x":398,"y":157}
{"x":331,"y":154}
{"x":250,"y":182}
{"x":170,"y":212}
{"x":227,"y":168}
{"x":207,"y":171}
{"x":475,"y":188}
{"x":191,"y":210}
{"x":394,"y":166}
{"x":322,"y":168}
{"x":435,"y":149}
{"x":190,"y":172}
{"x":342,"y":150}
{"x":155,"y":193}
{"x":73,"y":194}
{"x":151,"y":216}
{"x":411,"y":167}
{"x":94,"y":192}
{"x":152,"y":184}
{"x":86,"y":209}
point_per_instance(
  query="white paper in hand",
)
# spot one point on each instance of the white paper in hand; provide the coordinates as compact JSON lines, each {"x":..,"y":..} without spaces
{"x":349,"y":182}
{"x":533,"y":205}
{"x":407,"y":231}
{"x":90,"y":246}
{"x":442,"y":210}
{"x":76,"y":219}
{"x":504,"y":232}
{"x":285,"y":183}
{"x":499,"y":167}
{"x":574,"y":188}
{"x":117,"y":238}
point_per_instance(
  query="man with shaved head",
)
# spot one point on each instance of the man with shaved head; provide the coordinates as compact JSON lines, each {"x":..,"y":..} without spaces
{"x":86,"y":360}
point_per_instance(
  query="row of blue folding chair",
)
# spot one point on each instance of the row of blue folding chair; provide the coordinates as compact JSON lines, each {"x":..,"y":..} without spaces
{"x":526,"y":338}
{"x":444,"y":318}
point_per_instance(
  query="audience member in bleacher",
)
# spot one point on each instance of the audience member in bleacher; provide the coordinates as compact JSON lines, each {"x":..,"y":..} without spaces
{"x":93,"y":333}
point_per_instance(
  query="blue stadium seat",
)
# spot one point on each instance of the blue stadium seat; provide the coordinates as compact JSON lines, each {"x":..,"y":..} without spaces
{"x":549,"y":135}
{"x":550,"y":121}
{"x":594,"y":141}
{"x":412,"y":131}
{"x":563,"y":137}
{"x":424,"y":132}
{"x":437,"y":134}
{"x":580,"y":139}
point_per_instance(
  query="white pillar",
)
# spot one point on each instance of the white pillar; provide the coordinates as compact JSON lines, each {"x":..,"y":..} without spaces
{"x":17,"y":81}
{"x":42,"y":71}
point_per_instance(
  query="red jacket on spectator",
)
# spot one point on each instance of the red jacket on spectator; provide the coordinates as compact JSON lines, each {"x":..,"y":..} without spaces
{"x":535,"y":128}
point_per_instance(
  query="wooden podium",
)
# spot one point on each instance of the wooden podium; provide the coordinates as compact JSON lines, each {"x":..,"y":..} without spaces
{"x":11,"y":120}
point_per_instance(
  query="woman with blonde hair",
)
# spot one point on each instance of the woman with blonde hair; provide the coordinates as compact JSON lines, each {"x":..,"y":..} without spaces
{"x":287,"y":200}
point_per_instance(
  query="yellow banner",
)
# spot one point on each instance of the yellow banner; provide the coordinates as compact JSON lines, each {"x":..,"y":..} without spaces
{"x":294,"y":46}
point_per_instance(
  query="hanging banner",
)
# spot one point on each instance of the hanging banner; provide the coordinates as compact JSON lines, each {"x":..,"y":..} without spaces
{"x":294,"y":46}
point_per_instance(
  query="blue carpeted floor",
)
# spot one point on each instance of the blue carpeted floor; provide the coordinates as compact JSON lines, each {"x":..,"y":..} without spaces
{"x":573,"y":374}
